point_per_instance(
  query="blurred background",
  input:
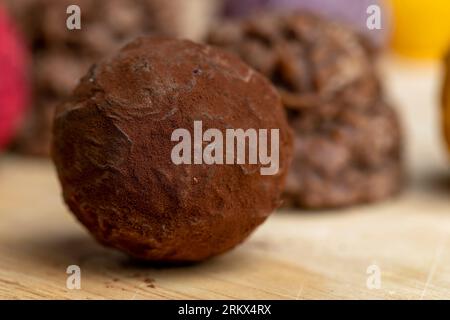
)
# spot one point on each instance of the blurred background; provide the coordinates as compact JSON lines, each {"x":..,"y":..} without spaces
{"x":41,"y":60}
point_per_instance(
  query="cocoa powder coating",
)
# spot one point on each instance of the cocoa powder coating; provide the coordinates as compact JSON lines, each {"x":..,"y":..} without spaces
{"x":347,"y":145}
{"x":112,"y":149}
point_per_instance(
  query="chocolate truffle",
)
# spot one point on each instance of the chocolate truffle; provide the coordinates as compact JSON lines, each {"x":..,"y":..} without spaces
{"x":347,"y":145}
{"x":62,"y":56}
{"x":112,"y":149}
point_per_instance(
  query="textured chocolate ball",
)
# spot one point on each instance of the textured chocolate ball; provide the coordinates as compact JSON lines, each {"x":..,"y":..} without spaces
{"x":112,"y":149}
{"x":347,"y":145}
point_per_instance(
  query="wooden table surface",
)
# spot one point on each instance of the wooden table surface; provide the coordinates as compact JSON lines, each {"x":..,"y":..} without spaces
{"x":294,"y":255}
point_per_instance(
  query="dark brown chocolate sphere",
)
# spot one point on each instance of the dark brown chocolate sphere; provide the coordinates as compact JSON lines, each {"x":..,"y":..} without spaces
{"x":347,"y":145}
{"x":112,"y":149}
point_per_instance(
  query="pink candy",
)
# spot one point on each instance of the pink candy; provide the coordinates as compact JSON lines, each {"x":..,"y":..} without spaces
{"x":13,"y":84}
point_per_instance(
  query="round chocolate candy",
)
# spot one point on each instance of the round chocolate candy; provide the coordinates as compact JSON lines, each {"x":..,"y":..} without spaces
{"x":115,"y":149}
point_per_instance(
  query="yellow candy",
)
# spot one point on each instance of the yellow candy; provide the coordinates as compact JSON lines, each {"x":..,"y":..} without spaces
{"x":421,"y":28}
{"x":446,"y":102}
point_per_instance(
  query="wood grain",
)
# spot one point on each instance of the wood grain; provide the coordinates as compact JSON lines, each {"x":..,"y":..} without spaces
{"x":295,"y":255}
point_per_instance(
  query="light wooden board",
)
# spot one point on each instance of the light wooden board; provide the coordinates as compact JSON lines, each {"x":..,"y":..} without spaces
{"x":294,"y":255}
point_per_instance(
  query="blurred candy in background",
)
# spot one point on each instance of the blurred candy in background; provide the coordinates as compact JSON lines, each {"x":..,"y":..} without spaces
{"x":446,"y":101}
{"x":347,"y":139}
{"x":352,"y":12}
{"x":13,"y":85}
{"x":421,"y":28}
